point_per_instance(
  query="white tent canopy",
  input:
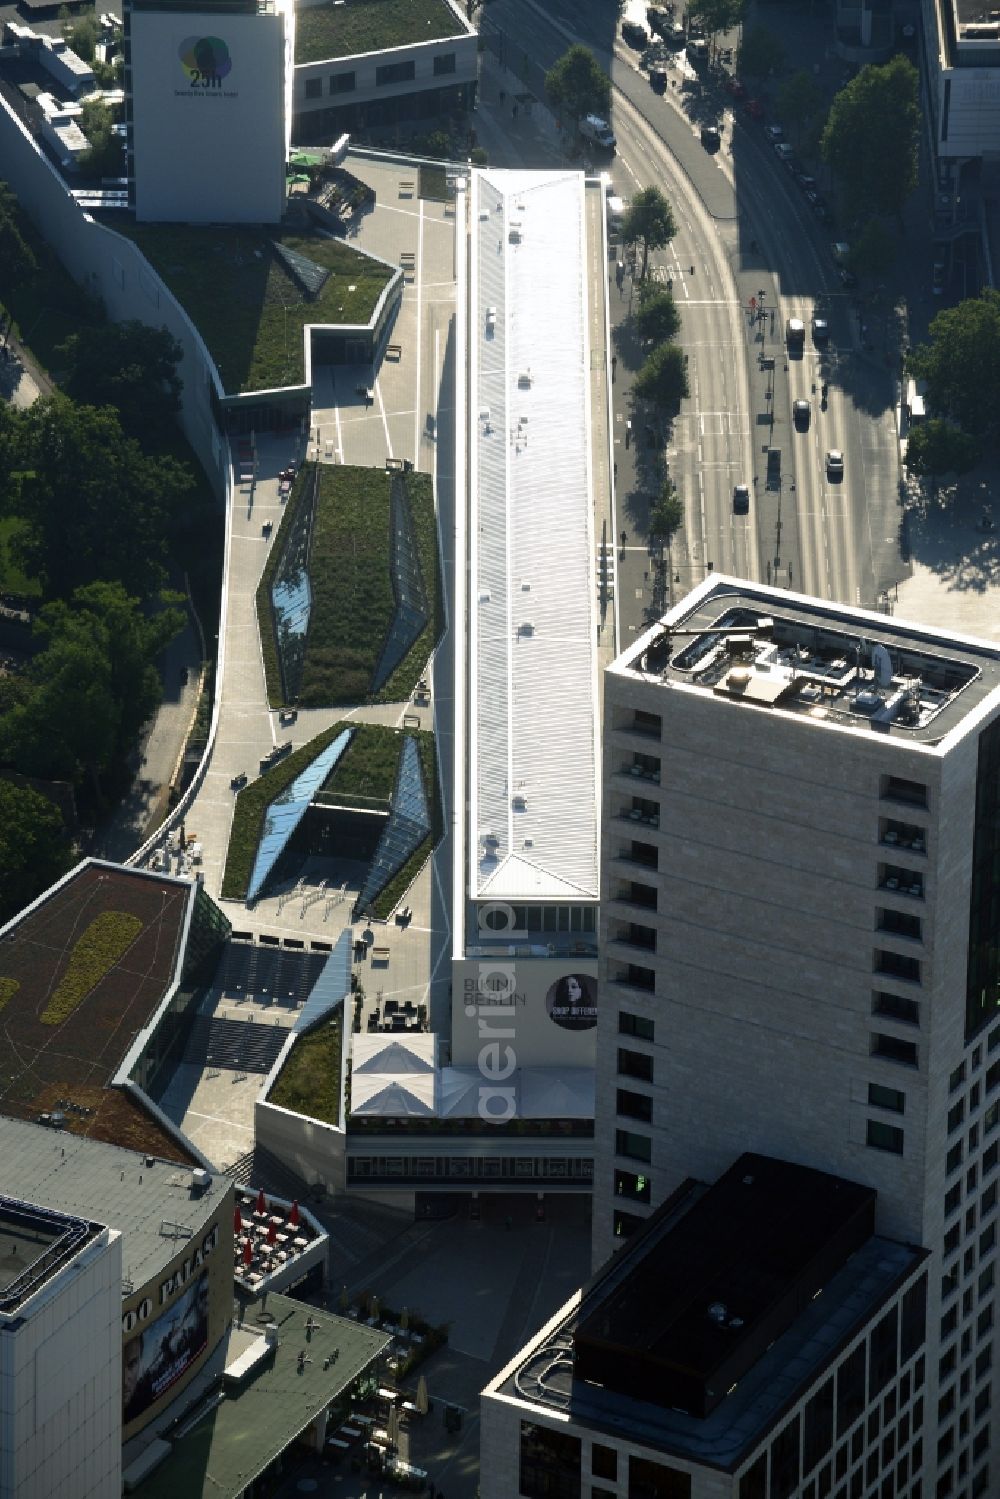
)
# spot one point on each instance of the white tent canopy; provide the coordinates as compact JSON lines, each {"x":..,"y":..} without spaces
{"x":556,"y":1093}
{"x":411,"y":1097}
{"x":459,"y":1092}
{"x":394,"y":1058}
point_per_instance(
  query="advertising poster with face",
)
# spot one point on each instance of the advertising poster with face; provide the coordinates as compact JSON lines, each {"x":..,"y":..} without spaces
{"x":157,"y":1356}
{"x":572,"y":1002}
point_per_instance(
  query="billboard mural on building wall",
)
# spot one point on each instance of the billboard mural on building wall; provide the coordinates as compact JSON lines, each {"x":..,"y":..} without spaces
{"x":544,"y":1010}
{"x":158,"y":1355}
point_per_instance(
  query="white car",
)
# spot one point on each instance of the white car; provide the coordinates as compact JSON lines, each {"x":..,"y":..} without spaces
{"x":834,"y":464}
{"x":491,"y":319}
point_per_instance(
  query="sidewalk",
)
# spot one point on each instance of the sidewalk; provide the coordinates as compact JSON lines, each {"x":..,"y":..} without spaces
{"x":528,"y":137}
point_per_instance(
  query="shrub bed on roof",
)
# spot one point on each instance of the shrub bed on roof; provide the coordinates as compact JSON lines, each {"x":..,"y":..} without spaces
{"x":309,"y":1082}
{"x":106,"y":940}
{"x":8,"y":988}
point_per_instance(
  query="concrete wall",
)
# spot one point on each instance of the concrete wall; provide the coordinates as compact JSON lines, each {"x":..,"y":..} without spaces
{"x":111,"y":268}
{"x":314,"y":1151}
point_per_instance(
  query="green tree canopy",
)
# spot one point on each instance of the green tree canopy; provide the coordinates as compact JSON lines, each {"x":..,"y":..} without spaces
{"x":961,"y":364}
{"x":105,"y":156}
{"x":16,"y":255}
{"x":578,"y":84}
{"x":129,"y":366}
{"x":657,"y":316}
{"x":760,"y":53}
{"x":935,"y":448}
{"x":870,"y":138}
{"x":96,"y":507}
{"x":798,"y":100}
{"x":716,"y":15}
{"x":34,"y":849}
{"x":873,"y":253}
{"x":81,"y":34}
{"x":648,"y":221}
{"x":663,"y":378}
{"x":667,"y":513}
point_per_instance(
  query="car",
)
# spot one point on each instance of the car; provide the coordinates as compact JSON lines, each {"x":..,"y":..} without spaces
{"x":710,"y":138}
{"x":741,"y":499}
{"x":658,"y":79}
{"x":491,"y":319}
{"x":773,"y":132}
{"x":937,"y":278}
{"x":754,"y":108}
{"x":783,"y":150}
{"x":800,"y":414}
{"x":805,"y":181}
{"x":821,"y":330}
{"x":834,"y":464}
{"x":634,"y":35}
{"x":847,"y":278}
{"x":821,"y":213}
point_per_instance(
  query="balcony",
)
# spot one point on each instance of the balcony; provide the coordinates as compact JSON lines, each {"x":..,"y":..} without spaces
{"x":636,"y":976}
{"x":634,"y":935}
{"x":901,"y":881}
{"x":641,"y":811}
{"x":649,"y":725}
{"x":637,"y":770}
{"x":906,"y":836}
{"x":639,"y":855}
{"x":637,"y":895}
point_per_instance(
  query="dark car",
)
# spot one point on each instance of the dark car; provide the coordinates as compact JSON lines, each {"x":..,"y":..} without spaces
{"x":658,"y":79}
{"x":634,"y":35}
{"x":741,"y":499}
{"x":847,"y":278}
{"x":805,"y":181}
{"x":710,"y":138}
{"x":800,"y":414}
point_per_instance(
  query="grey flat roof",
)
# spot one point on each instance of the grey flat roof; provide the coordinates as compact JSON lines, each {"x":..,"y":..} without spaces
{"x":90,"y":1179}
{"x":840,"y":667}
{"x":723,"y":1439}
{"x":34,"y":1245}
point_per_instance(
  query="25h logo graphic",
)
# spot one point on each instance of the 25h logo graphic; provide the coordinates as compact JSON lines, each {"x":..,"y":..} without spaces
{"x":205,"y":60}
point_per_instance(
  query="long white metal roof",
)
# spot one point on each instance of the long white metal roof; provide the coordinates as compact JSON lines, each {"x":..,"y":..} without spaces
{"x":532,"y":591}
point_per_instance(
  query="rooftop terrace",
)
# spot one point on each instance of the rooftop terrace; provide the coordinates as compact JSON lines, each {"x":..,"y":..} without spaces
{"x":81,"y":973}
{"x":357,"y":26}
{"x":842,"y":667}
{"x":34,"y":1245}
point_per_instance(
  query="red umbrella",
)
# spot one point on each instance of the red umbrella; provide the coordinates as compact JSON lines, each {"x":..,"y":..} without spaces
{"x":247,"y":1253}
{"x":261,"y":1204}
{"x":271,"y":1233}
{"x":237,"y":1220}
{"x":293,"y":1217}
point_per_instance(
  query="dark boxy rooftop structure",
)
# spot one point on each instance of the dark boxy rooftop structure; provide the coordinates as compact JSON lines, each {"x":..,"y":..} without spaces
{"x":708,"y":1298}
{"x":706,"y":1326}
{"x":34,"y":1244}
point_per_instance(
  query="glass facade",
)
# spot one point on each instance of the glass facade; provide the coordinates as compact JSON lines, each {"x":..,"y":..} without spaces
{"x":288,"y":809}
{"x":983,"y":976}
{"x":412,"y":613}
{"x":291,"y":594}
{"x":408,"y":825}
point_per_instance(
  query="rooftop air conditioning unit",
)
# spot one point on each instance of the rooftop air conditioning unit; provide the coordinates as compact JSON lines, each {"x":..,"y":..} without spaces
{"x":526,"y":627}
{"x":514,"y":237}
{"x":200,"y":1179}
{"x":524,"y":381}
{"x":519,"y":801}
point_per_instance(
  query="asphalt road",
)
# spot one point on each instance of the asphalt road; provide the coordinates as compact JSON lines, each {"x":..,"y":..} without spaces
{"x":745,"y":227}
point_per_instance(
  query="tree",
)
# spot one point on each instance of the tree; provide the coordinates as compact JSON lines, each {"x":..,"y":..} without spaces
{"x":935,"y":448}
{"x":798,"y":100}
{"x":129,"y":366}
{"x":34,"y":849}
{"x":961,"y":364}
{"x":16,"y":255}
{"x":873,"y":253}
{"x":657,"y":317}
{"x":870,"y":138}
{"x":667,"y":513}
{"x":578,"y":84}
{"x":760,"y":53}
{"x":106,"y":152}
{"x":96,"y":506}
{"x":649,"y":219}
{"x":716,"y":15}
{"x":663,"y":378}
{"x":81,"y":35}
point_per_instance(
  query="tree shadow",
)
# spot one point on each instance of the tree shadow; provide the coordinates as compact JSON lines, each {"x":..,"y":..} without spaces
{"x":950,"y":530}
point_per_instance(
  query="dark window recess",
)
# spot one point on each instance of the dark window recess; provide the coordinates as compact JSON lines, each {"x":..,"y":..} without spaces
{"x":635,"y":1025}
{"x":624,"y":1224}
{"x":905,"y":881}
{"x":603,"y":1461}
{"x":896,"y":1007}
{"x":913,"y":1321}
{"x":343,"y":83}
{"x":640,"y":978}
{"x":395,"y":72}
{"x":634,"y":1187}
{"x":897,"y":965}
{"x":635,"y":1064}
{"x":649,"y":1480}
{"x":550,"y":1463}
{"x":881,"y":1136}
{"x":892,"y":1049}
{"x":645,"y":853}
{"x":640,"y":895}
{"x":983,"y":974}
{"x":444,"y":63}
{"x":903,"y":835}
{"x":955,"y":1115}
{"x":785,"y":1460}
{"x":818,"y":1430}
{"x":882,"y":1361}
{"x":753,"y":1483}
{"x":635,"y":1106}
{"x":639,"y":1147}
{"x":956,"y":1078}
{"x":898,"y":789}
{"x":886,"y":1098}
{"x":638,"y":936}
{"x":850,"y":1389}
{"x":899,"y":923}
{"x":314,"y":88}
{"x":646,"y":723}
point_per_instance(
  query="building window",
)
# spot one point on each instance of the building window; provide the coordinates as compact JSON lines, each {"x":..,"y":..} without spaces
{"x":314,"y":88}
{"x":550,"y":1463}
{"x":639,"y":1147}
{"x":645,"y":723}
{"x":395,"y":72}
{"x":645,"y":853}
{"x":983,"y":974}
{"x":899,"y":923}
{"x":881,"y":1136}
{"x":603,"y":1461}
{"x":444,"y":63}
{"x":635,"y":1064}
{"x":895,"y":1007}
{"x":785,"y":1460}
{"x":635,"y":1105}
{"x":850,"y":1389}
{"x":342,"y":83}
{"x":634,"y":1187}
{"x":635,"y":1025}
{"x":880,"y":1097}
{"x":624,"y":1224}
{"x":897,"y":789}
{"x":955,"y":1115}
{"x":649,"y":1480}
{"x":913,"y":1323}
{"x":639,"y":977}
{"x":897,"y":965}
{"x":882,"y":1363}
{"x":892,"y":1049}
{"x":753,"y":1483}
{"x":818,"y":1429}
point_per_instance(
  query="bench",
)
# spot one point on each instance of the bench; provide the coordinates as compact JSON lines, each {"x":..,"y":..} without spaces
{"x":380,"y":955}
{"x":394,"y":351}
{"x":406,"y":188}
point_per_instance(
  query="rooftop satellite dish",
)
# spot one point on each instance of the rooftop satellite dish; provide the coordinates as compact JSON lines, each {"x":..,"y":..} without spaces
{"x":882,"y":664}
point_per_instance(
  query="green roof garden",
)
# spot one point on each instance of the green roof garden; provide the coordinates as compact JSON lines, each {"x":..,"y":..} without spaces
{"x":327,"y":31}
{"x":246,"y":303}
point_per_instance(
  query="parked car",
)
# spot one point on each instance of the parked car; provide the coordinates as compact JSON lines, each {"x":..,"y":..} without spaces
{"x":847,"y":278}
{"x":800,"y":414}
{"x":805,"y":181}
{"x":658,"y":79}
{"x":783,"y":151}
{"x":773,"y":132}
{"x":710,"y":137}
{"x":741,"y":499}
{"x":821,"y":330}
{"x":835,"y":464}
